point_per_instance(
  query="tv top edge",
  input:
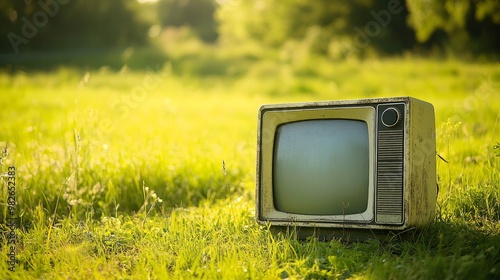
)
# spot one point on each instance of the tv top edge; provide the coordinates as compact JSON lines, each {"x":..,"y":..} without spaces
{"x":340,"y":102}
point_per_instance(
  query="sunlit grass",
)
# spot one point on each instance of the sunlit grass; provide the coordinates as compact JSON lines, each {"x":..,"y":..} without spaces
{"x":86,"y":145}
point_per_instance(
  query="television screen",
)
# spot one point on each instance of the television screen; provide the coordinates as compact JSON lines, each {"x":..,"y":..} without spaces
{"x":321,"y":167}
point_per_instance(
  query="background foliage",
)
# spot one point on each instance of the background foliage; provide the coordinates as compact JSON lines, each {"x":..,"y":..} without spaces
{"x":462,"y":25}
{"x":338,"y":29}
{"x":196,"y":14}
{"x":72,"y":24}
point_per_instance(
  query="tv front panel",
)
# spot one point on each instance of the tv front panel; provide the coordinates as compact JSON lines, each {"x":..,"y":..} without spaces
{"x":396,"y":169}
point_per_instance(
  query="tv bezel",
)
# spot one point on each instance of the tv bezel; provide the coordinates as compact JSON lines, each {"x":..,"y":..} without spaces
{"x":272,"y":119}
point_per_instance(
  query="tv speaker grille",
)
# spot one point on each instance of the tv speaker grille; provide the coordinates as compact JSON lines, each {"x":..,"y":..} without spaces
{"x":389,"y":201}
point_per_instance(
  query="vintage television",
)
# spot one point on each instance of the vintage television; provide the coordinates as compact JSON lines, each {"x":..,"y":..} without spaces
{"x":352,"y":167}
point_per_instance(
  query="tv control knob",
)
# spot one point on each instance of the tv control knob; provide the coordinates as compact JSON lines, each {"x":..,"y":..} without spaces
{"x":391,"y":117}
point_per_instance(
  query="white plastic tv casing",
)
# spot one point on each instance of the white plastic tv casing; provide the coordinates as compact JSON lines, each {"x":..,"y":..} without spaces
{"x":418,"y":170}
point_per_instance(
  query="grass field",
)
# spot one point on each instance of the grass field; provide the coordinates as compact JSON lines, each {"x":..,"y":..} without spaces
{"x":119,"y":173}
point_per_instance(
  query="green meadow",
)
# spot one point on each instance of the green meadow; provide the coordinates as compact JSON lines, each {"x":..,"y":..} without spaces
{"x":127,"y":172}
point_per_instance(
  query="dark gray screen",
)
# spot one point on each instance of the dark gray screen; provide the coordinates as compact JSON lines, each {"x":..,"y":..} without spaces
{"x":321,"y":167}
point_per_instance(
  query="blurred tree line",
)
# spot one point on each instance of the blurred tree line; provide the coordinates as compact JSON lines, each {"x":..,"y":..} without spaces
{"x":61,"y":24}
{"x":335,"y":28}
{"x":345,"y":27}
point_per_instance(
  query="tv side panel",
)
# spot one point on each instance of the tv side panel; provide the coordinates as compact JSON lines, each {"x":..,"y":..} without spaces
{"x":420,"y":173}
